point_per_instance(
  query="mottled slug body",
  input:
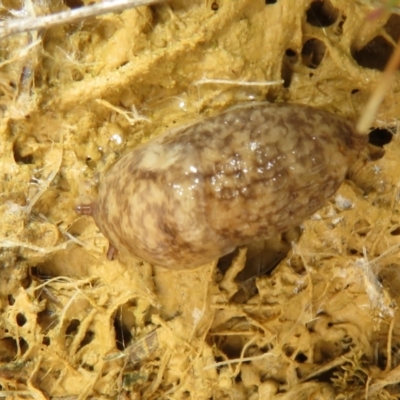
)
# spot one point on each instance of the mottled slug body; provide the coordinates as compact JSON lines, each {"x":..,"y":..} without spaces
{"x":194,"y":194}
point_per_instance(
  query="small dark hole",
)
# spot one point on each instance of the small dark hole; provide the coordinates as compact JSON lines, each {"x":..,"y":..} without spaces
{"x":290,"y":53}
{"x":353,"y":251}
{"x":21,"y":319}
{"x":376,"y":152}
{"x":312,"y":53}
{"x":395,"y":232}
{"x":11,"y":300}
{"x":226,"y":261}
{"x":74,"y":3}
{"x":362,"y":227}
{"x":122,"y":335}
{"x":354,"y":91}
{"x":321,"y":14}
{"x":219,"y":359}
{"x":26,"y":282}
{"x":375,"y":54}
{"x":289,"y":59}
{"x":47,"y":320}
{"x":286,"y":75}
{"x":289,"y":350}
{"x":270,"y":1}
{"x":301,"y":358}
{"x":46,"y":341}
{"x":90,"y":162}
{"x":392,"y":27}
{"x":330,"y":324}
{"x":214,"y":6}
{"x":231,"y":348}
{"x":23,"y":345}
{"x":73,"y":327}
{"x":381,"y":361}
{"x":88,"y":367}
{"x":380,"y":136}
{"x":19,"y":158}
{"x":8,"y":349}
{"x":339,"y":27}
{"x":89,"y":336}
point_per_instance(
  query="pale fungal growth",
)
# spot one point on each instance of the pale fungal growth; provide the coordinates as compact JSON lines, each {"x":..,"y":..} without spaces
{"x":194,"y":194}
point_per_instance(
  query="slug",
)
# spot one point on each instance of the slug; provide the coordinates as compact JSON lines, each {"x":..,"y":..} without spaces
{"x":195,"y":193}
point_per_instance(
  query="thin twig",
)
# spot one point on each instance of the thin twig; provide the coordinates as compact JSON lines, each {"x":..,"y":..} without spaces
{"x":204,"y":81}
{"x":9,"y":244}
{"x":11,"y":27}
{"x":389,"y":344}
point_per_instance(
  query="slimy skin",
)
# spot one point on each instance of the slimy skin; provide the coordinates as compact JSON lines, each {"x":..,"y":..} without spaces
{"x":194,"y":194}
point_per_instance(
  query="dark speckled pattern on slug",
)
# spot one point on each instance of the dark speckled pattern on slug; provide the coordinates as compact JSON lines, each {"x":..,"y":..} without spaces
{"x":194,"y":194}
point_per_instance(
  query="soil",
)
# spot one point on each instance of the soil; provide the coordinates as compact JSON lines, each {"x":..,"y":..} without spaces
{"x":311,"y":314}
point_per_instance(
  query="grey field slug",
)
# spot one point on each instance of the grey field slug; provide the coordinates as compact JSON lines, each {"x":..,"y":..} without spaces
{"x":194,"y":194}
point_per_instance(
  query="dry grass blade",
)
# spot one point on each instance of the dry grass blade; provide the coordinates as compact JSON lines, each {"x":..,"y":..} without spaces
{"x":380,"y":92}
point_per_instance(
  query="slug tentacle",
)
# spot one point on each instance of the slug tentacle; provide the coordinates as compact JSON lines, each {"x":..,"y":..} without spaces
{"x":194,"y":194}
{"x":84,"y":209}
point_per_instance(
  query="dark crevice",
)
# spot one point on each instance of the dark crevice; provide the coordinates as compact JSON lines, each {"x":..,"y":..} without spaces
{"x":47,"y":320}
{"x":8,"y":349}
{"x":73,"y":327}
{"x":122,"y":334}
{"x":10,"y":299}
{"x":289,"y":59}
{"x":46,"y":341}
{"x":362,"y":227}
{"x":21,"y":319}
{"x":74,"y":3}
{"x":301,"y":358}
{"x":290,"y":53}
{"x":20,"y":155}
{"x":380,"y":137}
{"x":395,"y":232}
{"x":321,"y":13}
{"x":375,"y":54}
{"x":89,"y":336}
{"x":313,"y":53}
{"x":338,"y":30}
{"x":392,"y":27}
